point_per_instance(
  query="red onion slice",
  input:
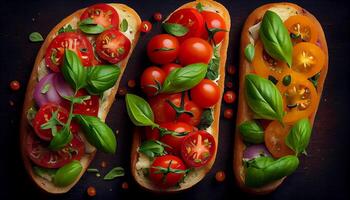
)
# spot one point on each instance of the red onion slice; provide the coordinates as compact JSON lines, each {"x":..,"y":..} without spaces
{"x":255,"y":151}
{"x":62,"y":87}
{"x":50,"y":96}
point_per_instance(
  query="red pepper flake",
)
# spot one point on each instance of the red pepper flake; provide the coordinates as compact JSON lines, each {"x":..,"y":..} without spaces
{"x":15,"y":85}
{"x":131,"y":83}
{"x":228,"y":113}
{"x":125,"y":185}
{"x":103,"y":164}
{"x":157,"y":16}
{"x":122,"y":91}
{"x":231,"y":70}
{"x":220,"y":176}
{"x":229,"y":84}
{"x":91,"y":191}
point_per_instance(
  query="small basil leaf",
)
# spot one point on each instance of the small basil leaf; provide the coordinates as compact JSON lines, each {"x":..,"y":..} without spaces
{"x":177,"y":30}
{"x":45,"y":89}
{"x":275,"y":37}
{"x":67,"y":174}
{"x":249,"y":52}
{"x":213,"y":66}
{"x":287,"y":80}
{"x":124,"y":25}
{"x":182,"y":79}
{"x":299,"y":136}
{"x":98,"y":133}
{"x":36,"y":37}
{"x":263,"y":98}
{"x":314,"y":79}
{"x":206,"y":119}
{"x":90,"y":27}
{"x":45,"y":173}
{"x":61,"y":138}
{"x":114,"y":173}
{"x":101,"y":78}
{"x":152,"y":148}
{"x":252,"y":132}
{"x":139,"y":111}
{"x":199,"y":7}
{"x":66,"y":29}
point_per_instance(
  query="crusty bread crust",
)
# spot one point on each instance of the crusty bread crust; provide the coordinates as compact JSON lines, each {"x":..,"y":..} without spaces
{"x":244,"y":112}
{"x":145,"y":183}
{"x":25,"y":127}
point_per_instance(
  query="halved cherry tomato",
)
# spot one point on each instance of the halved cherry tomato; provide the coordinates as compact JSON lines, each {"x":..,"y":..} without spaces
{"x":167,"y":68}
{"x":42,"y":156}
{"x":265,"y":66}
{"x":71,"y":40}
{"x":112,"y":45}
{"x":102,"y":14}
{"x":301,"y":29}
{"x":152,"y":79}
{"x":190,"y":18}
{"x":163,"y":49}
{"x":195,"y":50}
{"x":299,"y":98}
{"x":166,"y":171}
{"x":44,"y":115}
{"x":206,"y":93}
{"x":198,"y":148}
{"x":146,"y":26}
{"x":275,"y":135}
{"x":214,"y":21}
{"x":308,"y":59}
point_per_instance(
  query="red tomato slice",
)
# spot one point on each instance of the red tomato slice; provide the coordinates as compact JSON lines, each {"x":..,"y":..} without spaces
{"x":190,"y":18}
{"x":74,"y":41}
{"x":112,"y":45}
{"x":198,"y":148}
{"x":42,"y":156}
{"x":102,"y":14}
{"x":44,"y":115}
{"x":88,"y":107}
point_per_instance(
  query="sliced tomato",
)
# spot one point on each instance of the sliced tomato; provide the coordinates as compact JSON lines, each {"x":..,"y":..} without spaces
{"x":163,"y":49}
{"x":195,"y":50}
{"x":198,"y":148}
{"x":275,"y":136}
{"x":44,"y":115}
{"x":152,"y":79}
{"x":112,"y":45}
{"x":190,"y":18}
{"x":301,"y":29}
{"x":308,"y":59}
{"x":88,"y":107}
{"x":41,"y":155}
{"x":214,"y":21}
{"x":102,"y":14}
{"x":206,"y":93}
{"x":167,"y":68}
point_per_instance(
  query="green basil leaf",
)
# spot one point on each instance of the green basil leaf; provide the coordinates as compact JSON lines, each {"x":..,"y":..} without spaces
{"x":275,"y":37}
{"x":98,"y":133}
{"x":139,"y":111}
{"x":45,"y":173}
{"x":114,"y":173}
{"x":314,"y":79}
{"x":177,"y":30}
{"x":45,"y":89}
{"x":67,"y":174}
{"x":213,"y":66}
{"x":264,"y":170}
{"x":66,"y":29}
{"x":90,"y":27}
{"x":263,"y":98}
{"x":36,"y":37}
{"x":152,"y":148}
{"x":73,"y":71}
{"x":299,"y":136}
{"x":206,"y":119}
{"x":252,"y":132}
{"x":182,"y":79}
{"x":61,"y":138}
{"x":101,"y":78}
{"x":249,"y":52}
{"x":199,"y":7}
{"x":124,"y":25}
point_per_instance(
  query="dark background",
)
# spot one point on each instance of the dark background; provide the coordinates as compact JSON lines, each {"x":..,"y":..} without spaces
{"x":323,"y":174}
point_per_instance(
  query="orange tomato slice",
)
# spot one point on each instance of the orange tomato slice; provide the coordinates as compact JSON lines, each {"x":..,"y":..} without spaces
{"x":308,"y":59}
{"x":299,"y":98}
{"x":275,"y":135}
{"x":301,"y":29}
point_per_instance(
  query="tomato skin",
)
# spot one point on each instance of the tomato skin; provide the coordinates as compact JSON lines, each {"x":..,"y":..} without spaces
{"x":102,"y":14}
{"x":76,"y":42}
{"x":229,"y":96}
{"x":275,"y":136}
{"x":149,"y":79}
{"x":112,"y":45}
{"x":163,"y":49}
{"x":152,"y":134}
{"x":214,"y":20}
{"x":146,"y":26}
{"x":88,"y":107}
{"x":195,"y":50}
{"x":168,"y":179}
{"x":167,"y":68}
{"x":206,"y":93}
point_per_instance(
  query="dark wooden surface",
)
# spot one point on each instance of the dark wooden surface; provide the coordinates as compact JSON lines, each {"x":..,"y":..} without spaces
{"x":323,"y":174}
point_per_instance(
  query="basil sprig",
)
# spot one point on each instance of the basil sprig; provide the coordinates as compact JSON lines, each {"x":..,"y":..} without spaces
{"x":299,"y":136}
{"x":152,"y":148}
{"x":177,"y":30}
{"x":114,"y":173}
{"x":263,"y":170}
{"x":275,"y":37}
{"x":66,"y":29}
{"x":98,"y":133}
{"x":263,"y":98}
{"x":206,"y":119}
{"x":67,"y":174}
{"x":101,"y":78}
{"x":139,"y":111}
{"x":249,"y":52}
{"x":90,"y":27}
{"x":185,"y":78}
{"x":73,"y":71}
{"x":252,"y":132}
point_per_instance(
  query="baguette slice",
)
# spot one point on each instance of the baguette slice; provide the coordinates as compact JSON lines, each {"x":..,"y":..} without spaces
{"x":199,"y":173}
{"x":244,"y":112}
{"x":134,"y":22}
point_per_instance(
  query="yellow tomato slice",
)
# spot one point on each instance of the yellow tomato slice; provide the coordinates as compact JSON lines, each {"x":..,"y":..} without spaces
{"x":301,"y":29}
{"x":275,"y":136}
{"x":308,"y":59}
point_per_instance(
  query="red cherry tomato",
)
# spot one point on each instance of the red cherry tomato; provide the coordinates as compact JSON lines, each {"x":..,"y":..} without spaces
{"x":195,"y":50}
{"x":146,"y":26}
{"x":190,"y":18}
{"x":229,"y":97}
{"x":112,"y":45}
{"x":214,"y":20}
{"x":206,"y":93}
{"x":198,"y":148}
{"x":163,"y":49}
{"x":15,"y":85}
{"x":157,"y":16}
{"x":220,"y":176}
{"x":166,"y":171}
{"x":228,"y":113}
{"x":102,"y":14}
{"x":167,"y":68}
{"x":74,"y":41}
{"x":151,"y":80}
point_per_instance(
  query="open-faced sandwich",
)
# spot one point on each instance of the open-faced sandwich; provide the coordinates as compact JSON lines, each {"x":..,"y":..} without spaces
{"x":283,"y":66}
{"x":176,"y":141}
{"x":70,"y":91}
